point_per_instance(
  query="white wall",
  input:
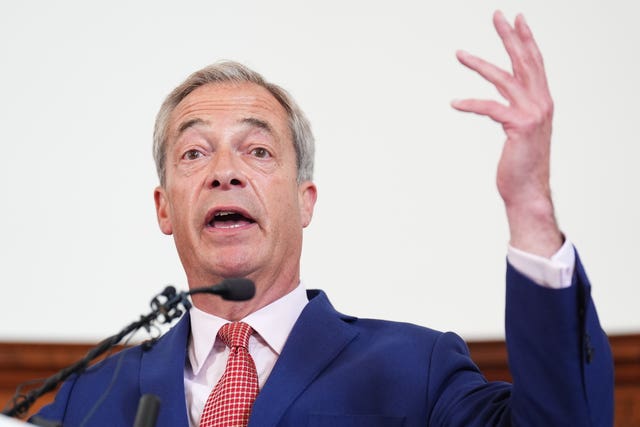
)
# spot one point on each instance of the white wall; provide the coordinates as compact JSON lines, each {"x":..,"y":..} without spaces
{"x":408,"y":225}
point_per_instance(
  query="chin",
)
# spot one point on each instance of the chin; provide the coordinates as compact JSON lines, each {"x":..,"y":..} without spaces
{"x":236,"y":266}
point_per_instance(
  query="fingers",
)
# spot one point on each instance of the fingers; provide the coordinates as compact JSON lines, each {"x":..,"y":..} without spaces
{"x":526,"y":59}
{"x":503,"y":81}
{"x":512,"y":44}
{"x":526,"y":36}
{"x":526,"y":89}
{"x":493,"y":109}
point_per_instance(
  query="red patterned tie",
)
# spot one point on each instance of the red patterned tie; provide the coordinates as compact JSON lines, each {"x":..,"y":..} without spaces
{"x":230,"y":401}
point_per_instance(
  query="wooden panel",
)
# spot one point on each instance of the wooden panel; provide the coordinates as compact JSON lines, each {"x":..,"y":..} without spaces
{"x":20,"y":362}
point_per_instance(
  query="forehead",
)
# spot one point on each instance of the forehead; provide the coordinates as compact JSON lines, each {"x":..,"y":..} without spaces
{"x":217,"y":103}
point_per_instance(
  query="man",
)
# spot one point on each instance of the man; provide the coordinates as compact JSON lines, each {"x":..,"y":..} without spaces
{"x":234,"y":156}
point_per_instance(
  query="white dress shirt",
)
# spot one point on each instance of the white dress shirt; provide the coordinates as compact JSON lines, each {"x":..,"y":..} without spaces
{"x":555,"y":272}
{"x":207,"y":355}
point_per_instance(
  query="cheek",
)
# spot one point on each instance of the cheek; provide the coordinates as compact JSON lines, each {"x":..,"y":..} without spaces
{"x":281,"y":207}
{"x":181,"y":208}
{"x":291,"y":210}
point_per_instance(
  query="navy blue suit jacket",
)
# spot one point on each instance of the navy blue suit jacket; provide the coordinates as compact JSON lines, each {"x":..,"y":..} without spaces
{"x":337,"y":370}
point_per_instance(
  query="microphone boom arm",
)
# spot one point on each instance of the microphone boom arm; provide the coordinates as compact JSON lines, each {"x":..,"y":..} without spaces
{"x":169,"y":305}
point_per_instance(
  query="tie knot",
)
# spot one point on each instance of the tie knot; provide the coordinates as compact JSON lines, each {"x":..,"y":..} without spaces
{"x":235,"y":334}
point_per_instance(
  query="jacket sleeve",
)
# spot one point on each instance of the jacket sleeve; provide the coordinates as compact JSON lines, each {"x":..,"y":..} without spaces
{"x":559,"y":357}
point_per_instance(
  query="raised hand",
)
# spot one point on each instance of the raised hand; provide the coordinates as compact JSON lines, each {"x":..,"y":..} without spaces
{"x":523,"y":170}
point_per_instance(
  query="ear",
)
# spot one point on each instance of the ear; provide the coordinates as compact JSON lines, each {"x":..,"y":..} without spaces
{"x":307,"y":195}
{"x":163,"y":210}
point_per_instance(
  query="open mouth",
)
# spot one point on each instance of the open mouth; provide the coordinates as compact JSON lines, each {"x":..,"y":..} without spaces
{"x":228,"y":219}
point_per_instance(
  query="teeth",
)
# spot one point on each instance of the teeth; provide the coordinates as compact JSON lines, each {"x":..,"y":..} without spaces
{"x":229,"y":219}
{"x":229,"y":226}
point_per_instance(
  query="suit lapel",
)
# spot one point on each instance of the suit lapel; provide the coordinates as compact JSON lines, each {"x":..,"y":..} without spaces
{"x":162,"y":374}
{"x":318,"y":336}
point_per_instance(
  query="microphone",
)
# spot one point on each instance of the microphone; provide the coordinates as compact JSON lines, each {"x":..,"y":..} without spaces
{"x":148,"y":409}
{"x":232,"y":289}
{"x":168,"y":305}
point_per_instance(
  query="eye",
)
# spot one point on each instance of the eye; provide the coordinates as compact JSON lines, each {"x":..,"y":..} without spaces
{"x":260,"y":153}
{"x":192,"y":154}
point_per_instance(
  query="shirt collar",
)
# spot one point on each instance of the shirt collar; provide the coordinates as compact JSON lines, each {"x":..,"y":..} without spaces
{"x":272,"y":322}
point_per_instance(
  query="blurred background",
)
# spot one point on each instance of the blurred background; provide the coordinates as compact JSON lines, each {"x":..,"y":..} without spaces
{"x":408,"y":224}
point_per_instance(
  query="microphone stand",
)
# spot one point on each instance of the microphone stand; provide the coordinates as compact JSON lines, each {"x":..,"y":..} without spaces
{"x":169,"y":305}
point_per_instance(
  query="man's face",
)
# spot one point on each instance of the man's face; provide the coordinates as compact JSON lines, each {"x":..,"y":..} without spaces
{"x":231,"y":199}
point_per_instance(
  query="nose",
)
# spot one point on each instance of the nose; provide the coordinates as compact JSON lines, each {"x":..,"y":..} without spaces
{"x":226,"y":172}
{"x":232,"y":182}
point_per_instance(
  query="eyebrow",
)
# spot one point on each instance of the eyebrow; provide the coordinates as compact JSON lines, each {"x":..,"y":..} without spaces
{"x":250,"y":121}
{"x":189,"y":124}
{"x":257,"y":123}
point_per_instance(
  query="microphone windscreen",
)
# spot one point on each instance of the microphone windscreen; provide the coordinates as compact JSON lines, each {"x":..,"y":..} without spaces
{"x":238,"y":289}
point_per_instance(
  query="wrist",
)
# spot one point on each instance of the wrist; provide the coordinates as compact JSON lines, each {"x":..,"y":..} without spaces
{"x":533,"y":227}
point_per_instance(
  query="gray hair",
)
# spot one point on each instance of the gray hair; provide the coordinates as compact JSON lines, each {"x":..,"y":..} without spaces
{"x":234,"y":72}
